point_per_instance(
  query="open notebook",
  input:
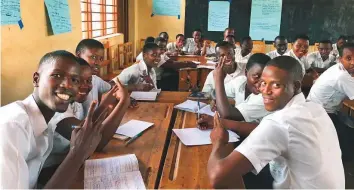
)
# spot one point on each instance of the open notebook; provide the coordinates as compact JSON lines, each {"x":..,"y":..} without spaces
{"x":192,"y":106}
{"x":144,"y":96}
{"x":121,"y":172}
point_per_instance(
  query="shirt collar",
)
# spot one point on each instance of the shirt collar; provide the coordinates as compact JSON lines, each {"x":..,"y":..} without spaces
{"x":297,"y":99}
{"x":35,"y":115}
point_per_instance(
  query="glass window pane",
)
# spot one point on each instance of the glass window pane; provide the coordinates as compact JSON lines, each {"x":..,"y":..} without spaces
{"x":84,"y":35}
{"x":109,"y":16}
{"x":96,"y":16}
{"x":110,"y":31}
{"x":83,"y":17}
{"x":83,"y":6}
{"x":96,"y":33}
{"x":109,"y":24}
{"x":96,"y":8}
{"x":83,"y":26}
{"x":96,"y":1}
{"x":109,"y":2}
{"x":96,"y":25}
{"x":109,"y":9}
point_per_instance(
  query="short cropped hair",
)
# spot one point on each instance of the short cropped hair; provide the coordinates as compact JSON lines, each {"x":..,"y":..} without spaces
{"x":48,"y":58}
{"x":149,"y":39}
{"x":260,"y":59}
{"x":345,"y":46}
{"x":179,"y":35}
{"x":82,"y":62}
{"x":302,"y":37}
{"x":159,"y":39}
{"x":280,"y":38}
{"x":197,"y":30}
{"x":88,"y":44}
{"x":248,"y":38}
{"x":149,"y":46}
{"x":224,"y":44}
{"x":342,"y":37}
{"x":325,"y":42}
{"x":288,"y":64}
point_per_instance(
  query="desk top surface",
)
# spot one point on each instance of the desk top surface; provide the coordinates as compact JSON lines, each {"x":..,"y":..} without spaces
{"x":148,"y":148}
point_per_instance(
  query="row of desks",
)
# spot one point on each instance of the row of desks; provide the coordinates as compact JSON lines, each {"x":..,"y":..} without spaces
{"x":164,"y":161}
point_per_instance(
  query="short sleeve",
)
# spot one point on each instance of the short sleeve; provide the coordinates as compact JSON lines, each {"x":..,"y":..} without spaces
{"x":306,"y":63}
{"x":311,"y":60}
{"x":268,"y":141}
{"x":139,"y":57}
{"x":209,"y":83}
{"x":14,"y":148}
{"x":345,"y":84}
{"x":103,"y":86}
{"x":253,"y":109}
{"x":124,"y":77}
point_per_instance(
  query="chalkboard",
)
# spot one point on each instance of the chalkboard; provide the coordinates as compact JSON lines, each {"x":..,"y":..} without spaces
{"x":319,"y":19}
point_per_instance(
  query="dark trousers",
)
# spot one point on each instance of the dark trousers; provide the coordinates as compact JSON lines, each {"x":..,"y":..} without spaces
{"x":345,"y":137}
{"x":263,"y":180}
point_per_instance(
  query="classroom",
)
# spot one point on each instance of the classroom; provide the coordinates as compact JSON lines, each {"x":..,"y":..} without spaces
{"x":177,"y":94}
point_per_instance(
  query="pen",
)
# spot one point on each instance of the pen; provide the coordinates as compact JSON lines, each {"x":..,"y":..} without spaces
{"x":133,"y":138}
{"x":198,"y":109}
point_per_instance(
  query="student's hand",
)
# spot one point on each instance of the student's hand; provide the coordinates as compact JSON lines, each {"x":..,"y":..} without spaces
{"x":84,"y":140}
{"x":219,"y":72}
{"x":109,"y":97}
{"x":144,"y":87}
{"x":121,"y":93}
{"x":205,"y":122}
{"x":133,"y":103}
{"x":213,"y":106}
{"x":218,"y":135}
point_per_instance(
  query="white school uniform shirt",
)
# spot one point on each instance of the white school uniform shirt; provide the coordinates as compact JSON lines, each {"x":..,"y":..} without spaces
{"x":273,"y":54}
{"x":241,"y":60}
{"x":335,"y":51}
{"x":300,"y":144}
{"x":25,"y":142}
{"x":315,"y":60}
{"x":303,"y":61}
{"x":236,"y":89}
{"x":61,"y":145}
{"x":172,"y":47}
{"x":190,"y":45}
{"x":134,"y":73}
{"x":252,"y":108}
{"x":332,"y":87}
{"x":99,"y":86}
{"x":158,"y":69}
{"x":209,"y":84}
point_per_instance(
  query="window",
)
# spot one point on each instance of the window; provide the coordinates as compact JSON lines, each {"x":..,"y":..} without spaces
{"x":99,"y":18}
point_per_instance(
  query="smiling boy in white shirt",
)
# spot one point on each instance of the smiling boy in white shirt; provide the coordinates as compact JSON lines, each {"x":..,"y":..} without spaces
{"x":322,"y":59}
{"x":281,"y":47}
{"x":298,"y":139}
{"x":299,"y":51}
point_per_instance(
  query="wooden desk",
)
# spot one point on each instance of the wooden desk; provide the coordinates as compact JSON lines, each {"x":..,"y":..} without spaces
{"x":172,"y":97}
{"x":348,"y":108}
{"x":189,"y":58}
{"x":186,"y":167}
{"x":148,"y":148}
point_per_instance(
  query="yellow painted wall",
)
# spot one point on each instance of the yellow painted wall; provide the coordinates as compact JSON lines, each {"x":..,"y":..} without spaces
{"x":141,"y":24}
{"x":21,"y":50}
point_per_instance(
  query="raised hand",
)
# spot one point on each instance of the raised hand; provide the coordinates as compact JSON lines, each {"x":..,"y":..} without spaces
{"x":219,"y":72}
{"x":205,"y":122}
{"x":84,"y":139}
{"x":218,"y":135}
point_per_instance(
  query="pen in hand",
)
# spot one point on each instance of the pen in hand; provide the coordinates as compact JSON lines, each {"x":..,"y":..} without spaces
{"x":198,"y":109}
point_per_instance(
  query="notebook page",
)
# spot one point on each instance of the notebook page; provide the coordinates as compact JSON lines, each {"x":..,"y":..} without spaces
{"x":195,"y":136}
{"x":147,"y":96}
{"x":133,"y":127}
{"x":190,"y":105}
{"x":112,"y":165}
{"x":207,"y":110}
{"x":130,"y":180}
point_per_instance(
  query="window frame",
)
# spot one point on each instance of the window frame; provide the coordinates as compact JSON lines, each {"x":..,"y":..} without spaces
{"x":86,"y":18}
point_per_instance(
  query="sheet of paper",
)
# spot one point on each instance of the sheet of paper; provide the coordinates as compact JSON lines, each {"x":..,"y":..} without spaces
{"x":218,"y":15}
{"x":190,"y":106}
{"x":133,"y":127}
{"x":156,"y":90}
{"x":207,"y":110}
{"x":166,"y":7}
{"x":10,"y":11}
{"x":195,"y":136}
{"x":146,"y":96}
{"x":59,"y":15}
{"x":121,"y":172}
{"x":265,"y":19}
{"x":208,"y":62}
{"x":206,"y":66}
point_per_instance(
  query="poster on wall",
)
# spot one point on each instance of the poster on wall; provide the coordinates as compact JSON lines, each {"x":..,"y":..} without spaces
{"x":166,"y":7}
{"x":59,"y":15}
{"x":10,"y":12}
{"x":218,"y":15}
{"x":265,"y":19}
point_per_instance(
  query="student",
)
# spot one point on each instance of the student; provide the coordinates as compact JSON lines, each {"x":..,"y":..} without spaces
{"x":164,"y":35}
{"x":299,"y":51}
{"x":340,"y":42}
{"x":207,"y":49}
{"x":26,"y":139}
{"x":141,"y":76}
{"x":92,"y":51}
{"x":175,"y":48}
{"x":243,"y":54}
{"x":194,"y":45}
{"x":224,"y":49}
{"x":281,"y":46}
{"x":298,"y":139}
{"x":332,"y":87}
{"x":231,"y":40}
{"x":228,"y":32}
{"x":248,"y":101}
{"x":322,"y":59}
